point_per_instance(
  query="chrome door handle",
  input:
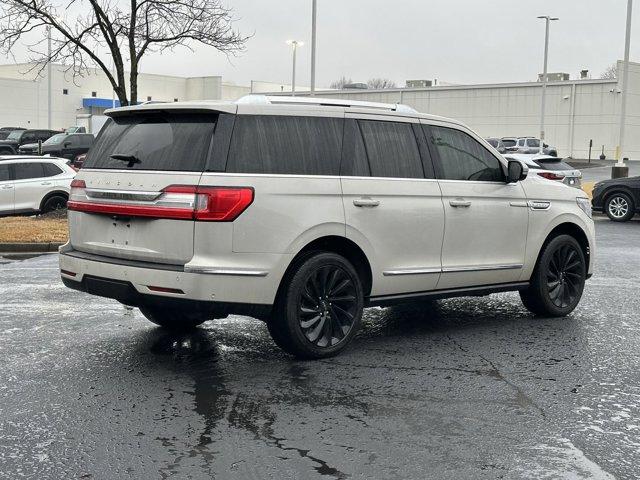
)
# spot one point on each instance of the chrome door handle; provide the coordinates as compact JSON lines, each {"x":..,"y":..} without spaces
{"x":45,"y":183}
{"x":366,"y":202}
{"x":7,"y":187}
{"x":460,"y":203}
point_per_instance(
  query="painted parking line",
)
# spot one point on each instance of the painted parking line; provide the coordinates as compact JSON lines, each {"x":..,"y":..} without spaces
{"x":587,"y":187}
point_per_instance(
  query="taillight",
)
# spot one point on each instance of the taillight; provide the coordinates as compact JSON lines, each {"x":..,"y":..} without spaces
{"x":551,"y":176}
{"x":179,"y":202}
{"x":222,"y":204}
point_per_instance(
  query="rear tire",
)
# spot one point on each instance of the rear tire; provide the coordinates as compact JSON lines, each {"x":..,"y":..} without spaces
{"x":558,"y":280}
{"x":619,"y":207}
{"x":173,"y":319}
{"x":319,"y":309}
{"x":57,"y":202}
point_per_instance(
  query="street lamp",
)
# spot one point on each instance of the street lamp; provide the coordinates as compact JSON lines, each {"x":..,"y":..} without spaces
{"x":314,"y":9}
{"x":49,"y":88}
{"x":619,"y":168}
{"x":294,"y":46}
{"x":548,"y":20}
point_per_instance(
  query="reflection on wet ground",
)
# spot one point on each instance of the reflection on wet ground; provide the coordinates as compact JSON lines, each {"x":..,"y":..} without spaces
{"x":465,"y":388}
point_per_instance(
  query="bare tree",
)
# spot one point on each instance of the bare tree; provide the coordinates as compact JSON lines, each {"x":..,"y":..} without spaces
{"x":610,"y":73}
{"x":381,"y":83}
{"x":126,"y":30}
{"x":340,"y":83}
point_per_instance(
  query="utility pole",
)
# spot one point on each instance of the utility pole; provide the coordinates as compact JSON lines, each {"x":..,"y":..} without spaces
{"x":619,"y":169}
{"x":314,"y":9}
{"x":294,"y":45}
{"x":49,"y":69}
{"x":548,"y":20}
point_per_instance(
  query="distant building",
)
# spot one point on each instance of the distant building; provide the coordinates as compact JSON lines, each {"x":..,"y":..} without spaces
{"x":418,"y":83}
{"x":554,"y":77}
{"x":577,"y":111}
{"x":82,"y":101}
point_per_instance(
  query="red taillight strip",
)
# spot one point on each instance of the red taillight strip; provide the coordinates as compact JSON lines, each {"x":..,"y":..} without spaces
{"x":212,"y":204}
{"x":125,"y":210}
{"x":68,"y":273}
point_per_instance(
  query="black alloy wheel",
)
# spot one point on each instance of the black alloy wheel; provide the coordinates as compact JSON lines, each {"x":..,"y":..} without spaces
{"x":319,"y":306}
{"x":565,"y":276}
{"x":558,"y":279}
{"x":327,"y":306}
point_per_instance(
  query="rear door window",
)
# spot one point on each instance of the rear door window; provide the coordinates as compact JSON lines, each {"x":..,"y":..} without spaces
{"x":392,"y":149}
{"x":286,"y":145}
{"x":4,"y":173}
{"x":555,"y":165}
{"x":154,"y":141}
{"x":462,"y":157}
{"x":26,"y":171}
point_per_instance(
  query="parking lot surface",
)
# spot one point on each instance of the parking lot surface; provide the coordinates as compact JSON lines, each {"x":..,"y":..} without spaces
{"x":465,"y":388}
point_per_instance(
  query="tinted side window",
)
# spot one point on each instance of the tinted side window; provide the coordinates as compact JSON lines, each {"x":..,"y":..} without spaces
{"x":28,"y":138}
{"x":354,"y":156}
{"x":285,"y":145}
{"x":86,"y":140}
{"x":392,"y":149}
{"x":463,"y":158}
{"x":158,"y":141}
{"x":4,"y":173}
{"x":24,"y":171}
{"x":51,"y":170}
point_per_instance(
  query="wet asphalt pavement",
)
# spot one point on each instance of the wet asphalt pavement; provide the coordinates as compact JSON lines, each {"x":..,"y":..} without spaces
{"x":466,"y":388}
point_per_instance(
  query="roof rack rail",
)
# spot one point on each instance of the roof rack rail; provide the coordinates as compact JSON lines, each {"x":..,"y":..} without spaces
{"x":254,"y":99}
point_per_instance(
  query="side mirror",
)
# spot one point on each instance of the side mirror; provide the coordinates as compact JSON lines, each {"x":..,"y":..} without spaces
{"x":66,"y":144}
{"x":516,"y":171}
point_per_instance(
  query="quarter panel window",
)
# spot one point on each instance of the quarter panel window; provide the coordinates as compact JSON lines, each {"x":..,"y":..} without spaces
{"x":464,"y":158}
{"x":25,"y":171}
{"x":392,"y":149}
{"x":51,"y":170}
{"x":286,"y":145}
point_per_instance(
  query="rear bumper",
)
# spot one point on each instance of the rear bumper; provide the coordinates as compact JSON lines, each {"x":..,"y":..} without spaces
{"x":129,"y":281}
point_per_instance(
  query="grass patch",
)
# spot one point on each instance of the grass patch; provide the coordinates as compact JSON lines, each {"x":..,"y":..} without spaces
{"x":45,"y":228}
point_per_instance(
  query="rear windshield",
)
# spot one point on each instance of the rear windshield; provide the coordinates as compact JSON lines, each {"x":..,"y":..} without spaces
{"x":508,"y":143}
{"x":554,"y":165}
{"x":156,"y":141}
{"x":493,"y":142}
{"x":532,"y":142}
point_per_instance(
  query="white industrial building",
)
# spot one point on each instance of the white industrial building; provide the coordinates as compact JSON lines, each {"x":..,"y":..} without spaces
{"x":82,"y":101}
{"x":577,"y":112}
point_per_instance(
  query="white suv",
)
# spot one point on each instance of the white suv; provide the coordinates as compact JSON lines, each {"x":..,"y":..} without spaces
{"x":302,"y":212}
{"x":33,"y":184}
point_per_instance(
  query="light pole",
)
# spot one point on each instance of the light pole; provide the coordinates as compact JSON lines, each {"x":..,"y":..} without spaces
{"x":49,"y":77}
{"x":548,"y":20}
{"x":617,"y":171}
{"x":314,"y":9}
{"x":294,"y":46}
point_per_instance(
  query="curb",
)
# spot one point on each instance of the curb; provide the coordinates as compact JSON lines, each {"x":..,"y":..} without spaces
{"x":29,"y":247}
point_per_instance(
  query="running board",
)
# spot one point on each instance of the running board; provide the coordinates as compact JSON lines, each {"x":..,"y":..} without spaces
{"x":479,"y":291}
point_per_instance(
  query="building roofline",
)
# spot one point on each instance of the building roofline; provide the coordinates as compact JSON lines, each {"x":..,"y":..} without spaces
{"x":455,"y":87}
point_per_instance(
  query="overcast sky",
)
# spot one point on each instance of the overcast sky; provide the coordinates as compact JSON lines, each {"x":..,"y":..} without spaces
{"x":457,"y":41}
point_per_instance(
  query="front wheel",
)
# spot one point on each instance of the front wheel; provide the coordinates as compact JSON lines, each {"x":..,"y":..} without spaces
{"x":558,"y":279}
{"x":319,"y":309}
{"x":173,"y":319}
{"x":619,"y":207}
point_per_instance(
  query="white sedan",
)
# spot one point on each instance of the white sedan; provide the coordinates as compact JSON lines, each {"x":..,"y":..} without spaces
{"x":551,"y":168}
{"x":33,"y":184}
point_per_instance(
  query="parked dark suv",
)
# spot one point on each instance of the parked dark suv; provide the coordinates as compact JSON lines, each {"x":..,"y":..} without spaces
{"x":63,"y":145}
{"x":10,"y":145}
{"x":5,"y":131}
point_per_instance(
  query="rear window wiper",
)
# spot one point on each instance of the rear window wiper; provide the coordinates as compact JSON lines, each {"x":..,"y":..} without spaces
{"x":131,"y":159}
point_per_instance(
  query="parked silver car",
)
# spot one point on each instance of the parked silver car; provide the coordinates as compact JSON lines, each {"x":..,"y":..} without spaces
{"x":551,"y":168}
{"x":531,"y":146}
